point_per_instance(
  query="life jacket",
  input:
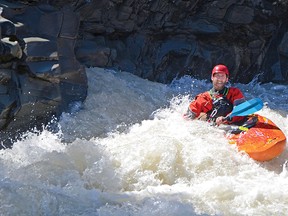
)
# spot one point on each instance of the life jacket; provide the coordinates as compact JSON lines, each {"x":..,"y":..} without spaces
{"x":221,"y":105}
{"x":203,"y":103}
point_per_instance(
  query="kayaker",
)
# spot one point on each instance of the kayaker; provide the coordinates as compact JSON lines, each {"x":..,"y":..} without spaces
{"x":218,"y":102}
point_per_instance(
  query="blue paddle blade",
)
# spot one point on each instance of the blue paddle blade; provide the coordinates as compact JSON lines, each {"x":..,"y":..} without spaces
{"x":247,"y":107}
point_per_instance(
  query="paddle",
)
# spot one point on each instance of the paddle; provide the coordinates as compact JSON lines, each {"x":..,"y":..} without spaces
{"x":246,"y":108}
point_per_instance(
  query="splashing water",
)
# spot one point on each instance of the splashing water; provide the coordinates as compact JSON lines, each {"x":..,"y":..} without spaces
{"x":128,"y":151}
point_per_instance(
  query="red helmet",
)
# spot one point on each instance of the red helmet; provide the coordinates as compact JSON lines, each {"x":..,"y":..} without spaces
{"x":220,"y":69}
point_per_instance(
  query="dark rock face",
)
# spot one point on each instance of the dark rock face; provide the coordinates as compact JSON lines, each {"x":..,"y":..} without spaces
{"x":161,"y":40}
{"x":154,"y":39}
{"x":48,"y":78}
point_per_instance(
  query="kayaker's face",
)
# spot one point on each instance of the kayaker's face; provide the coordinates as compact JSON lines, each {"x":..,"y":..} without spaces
{"x":219,"y":81}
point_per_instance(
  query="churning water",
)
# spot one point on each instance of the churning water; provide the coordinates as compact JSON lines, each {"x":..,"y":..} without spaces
{"x":128,"y":151}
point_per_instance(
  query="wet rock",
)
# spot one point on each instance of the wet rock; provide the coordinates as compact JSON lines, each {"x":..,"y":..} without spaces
{"x":48,"y":78}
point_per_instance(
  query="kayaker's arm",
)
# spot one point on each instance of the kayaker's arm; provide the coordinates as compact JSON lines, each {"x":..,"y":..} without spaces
{"x":189,"y":115}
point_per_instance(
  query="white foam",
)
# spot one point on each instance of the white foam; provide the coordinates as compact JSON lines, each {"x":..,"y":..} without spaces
{"x":154,"y":163}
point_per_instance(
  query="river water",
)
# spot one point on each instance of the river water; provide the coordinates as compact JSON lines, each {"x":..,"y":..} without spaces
{"x":128,"y":151}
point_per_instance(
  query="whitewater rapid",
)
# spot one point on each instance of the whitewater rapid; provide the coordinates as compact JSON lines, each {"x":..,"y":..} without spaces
{"x":128,"y":151}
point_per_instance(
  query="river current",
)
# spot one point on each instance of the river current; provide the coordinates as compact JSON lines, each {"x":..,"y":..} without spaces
{"x":128,"y":151}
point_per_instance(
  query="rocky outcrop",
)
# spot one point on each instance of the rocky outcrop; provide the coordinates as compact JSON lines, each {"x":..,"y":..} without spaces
{"x":154,"y":39}
{"x":161,"y":40}
{"x":48,"y":78}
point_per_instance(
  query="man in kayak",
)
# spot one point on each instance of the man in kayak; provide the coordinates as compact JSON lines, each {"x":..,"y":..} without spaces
{"x":214,"y":105}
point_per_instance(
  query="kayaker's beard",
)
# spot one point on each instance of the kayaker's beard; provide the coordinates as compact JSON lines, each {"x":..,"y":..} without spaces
{"x":219,"y":85}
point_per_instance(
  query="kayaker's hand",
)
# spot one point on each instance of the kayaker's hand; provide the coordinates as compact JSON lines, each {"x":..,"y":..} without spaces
{"x":202,"y":116}
{"x":219,"y":120}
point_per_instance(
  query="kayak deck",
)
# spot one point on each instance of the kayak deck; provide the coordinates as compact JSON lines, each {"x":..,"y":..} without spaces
{"x":262,"y":142}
